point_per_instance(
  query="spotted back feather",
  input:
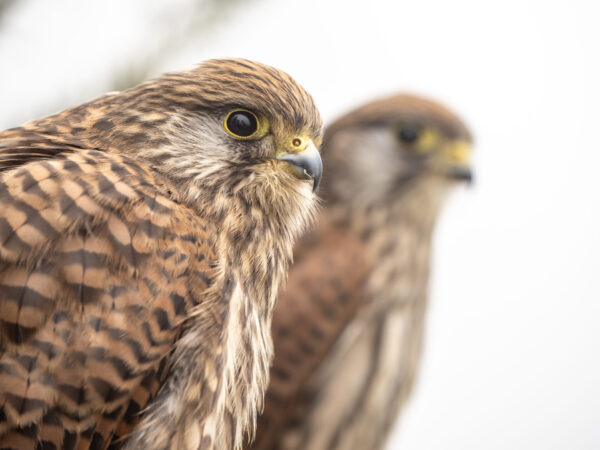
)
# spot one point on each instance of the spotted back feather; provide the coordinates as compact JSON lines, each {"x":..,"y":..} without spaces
{"x":99,"y":271}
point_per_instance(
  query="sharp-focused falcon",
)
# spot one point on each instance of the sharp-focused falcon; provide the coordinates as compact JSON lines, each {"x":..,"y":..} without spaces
{"x":143,"y":237}
{"x":348,"y":328}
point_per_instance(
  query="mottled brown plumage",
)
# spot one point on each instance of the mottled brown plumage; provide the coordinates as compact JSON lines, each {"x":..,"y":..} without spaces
{"x":141,"y":249}
{"x":348,"y":328}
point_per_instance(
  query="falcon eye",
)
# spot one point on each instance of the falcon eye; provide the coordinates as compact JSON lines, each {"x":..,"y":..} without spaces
{"x":409,"y":134}
{"x":242,"y":124}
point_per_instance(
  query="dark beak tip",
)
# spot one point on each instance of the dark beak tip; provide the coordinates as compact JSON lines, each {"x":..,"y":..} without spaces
{"x":471,"y":180}
{"x":316,"y":172}
{"x":463,"y":174}
{"x":316,"y":181}
{"x":467,"y":177}
{"x":307,"y":167}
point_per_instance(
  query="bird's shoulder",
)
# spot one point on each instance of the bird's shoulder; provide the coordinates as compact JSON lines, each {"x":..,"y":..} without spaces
{"x":34,"y":141}
{"x":100,"y":266}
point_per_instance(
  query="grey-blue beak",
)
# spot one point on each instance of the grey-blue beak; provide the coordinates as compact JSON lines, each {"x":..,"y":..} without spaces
{"x":306,"y":164}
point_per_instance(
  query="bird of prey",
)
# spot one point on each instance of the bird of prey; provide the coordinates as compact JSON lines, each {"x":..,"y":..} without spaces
{"x":348,"y":328}
{"x":143,"y":237}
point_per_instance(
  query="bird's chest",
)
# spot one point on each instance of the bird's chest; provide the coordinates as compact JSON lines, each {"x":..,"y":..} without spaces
{"x":249,"y":349}
{"x":356,"y":386}
{"x":360,"y":384}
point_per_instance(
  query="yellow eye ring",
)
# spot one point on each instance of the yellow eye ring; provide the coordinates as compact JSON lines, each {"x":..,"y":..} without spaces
{"x":243,"y":124}
{"x":421,"y":139}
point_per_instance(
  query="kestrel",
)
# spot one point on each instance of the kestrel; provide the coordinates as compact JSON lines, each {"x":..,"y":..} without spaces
{"x":348,"y":328}
{"x":143,"y":238}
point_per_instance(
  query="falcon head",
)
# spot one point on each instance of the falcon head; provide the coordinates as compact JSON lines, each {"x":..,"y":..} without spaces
{"x":228,"y":127}
{"x":377,"y":151}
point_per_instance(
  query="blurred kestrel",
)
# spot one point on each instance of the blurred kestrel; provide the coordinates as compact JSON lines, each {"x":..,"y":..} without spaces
{"x":349,"y":326}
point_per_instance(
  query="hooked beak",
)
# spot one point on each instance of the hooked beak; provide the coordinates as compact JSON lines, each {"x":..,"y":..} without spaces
{"x":305,"y":164}
{"x":456,"y":156}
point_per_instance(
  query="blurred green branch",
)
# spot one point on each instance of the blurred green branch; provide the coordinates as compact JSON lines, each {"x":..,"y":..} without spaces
{"x":171,"y":26}
{"x":5,"y":6}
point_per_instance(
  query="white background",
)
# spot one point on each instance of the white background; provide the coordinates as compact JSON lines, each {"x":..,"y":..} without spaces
{"x":513,"y":342}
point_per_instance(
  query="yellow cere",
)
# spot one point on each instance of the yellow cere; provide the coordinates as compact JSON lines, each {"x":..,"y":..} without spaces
{"x":458,"y":152}
{"x":299,"y":143}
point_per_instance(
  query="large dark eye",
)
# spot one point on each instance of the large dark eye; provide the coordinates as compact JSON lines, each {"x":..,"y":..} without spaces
{"x":409,"y":133}
{"x":242,"y":124}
